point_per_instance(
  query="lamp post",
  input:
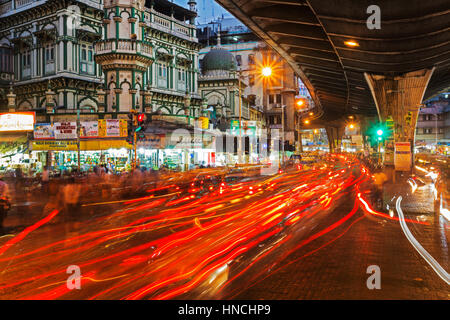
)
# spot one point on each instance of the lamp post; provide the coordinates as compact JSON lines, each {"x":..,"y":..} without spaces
{"x":266,"y":72}
{"x":78,"y":136}
{"x":282,"y":133}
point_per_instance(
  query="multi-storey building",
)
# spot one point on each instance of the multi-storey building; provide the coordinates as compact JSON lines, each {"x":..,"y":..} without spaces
{"x":432,"y":123}
{"x":87,"y":60}
{"x":268,"y":98}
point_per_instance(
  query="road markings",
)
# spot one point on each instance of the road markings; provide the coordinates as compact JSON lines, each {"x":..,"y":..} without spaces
{"x":425,"y":255}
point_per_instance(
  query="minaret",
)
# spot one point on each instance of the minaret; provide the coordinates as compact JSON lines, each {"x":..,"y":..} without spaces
{"x":193,"y":7}
{"x":124,"y":54}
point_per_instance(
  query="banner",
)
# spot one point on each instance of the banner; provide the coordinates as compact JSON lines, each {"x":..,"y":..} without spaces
{"x":65,"y":130}
{"x":88,"y":129}
{"x":44,"y":131}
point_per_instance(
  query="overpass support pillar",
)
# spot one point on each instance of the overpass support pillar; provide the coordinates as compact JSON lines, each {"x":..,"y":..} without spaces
{"x":335,"y":135}
{"x":400,"y":97}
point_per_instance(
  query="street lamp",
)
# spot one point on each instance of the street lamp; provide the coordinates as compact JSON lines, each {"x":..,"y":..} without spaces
{"x":266,"y":72}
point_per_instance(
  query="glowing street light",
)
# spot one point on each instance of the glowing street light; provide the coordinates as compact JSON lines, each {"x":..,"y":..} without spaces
{"x":351,"y":43}
{"x":266,"y":71}
{"x":306,"y":121}
{"x":351,"y":126}
{"x":311,"y":113}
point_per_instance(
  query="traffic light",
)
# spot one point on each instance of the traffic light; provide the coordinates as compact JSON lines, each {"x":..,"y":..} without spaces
{"x":131,"y":126}
{"x":140,"y":122}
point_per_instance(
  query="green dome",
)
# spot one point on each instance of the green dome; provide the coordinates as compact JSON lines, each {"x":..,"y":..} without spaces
{"x":218,"y":59}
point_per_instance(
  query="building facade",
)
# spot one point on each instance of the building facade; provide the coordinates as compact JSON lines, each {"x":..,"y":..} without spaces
{"x":433,"y":126}
{"x":96,"y":60}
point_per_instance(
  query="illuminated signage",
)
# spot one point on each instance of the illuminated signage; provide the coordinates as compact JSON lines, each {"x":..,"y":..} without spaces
{"x":18,"y":121}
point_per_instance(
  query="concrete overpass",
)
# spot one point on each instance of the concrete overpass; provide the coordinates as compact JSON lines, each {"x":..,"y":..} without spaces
{"x":351,"y":69}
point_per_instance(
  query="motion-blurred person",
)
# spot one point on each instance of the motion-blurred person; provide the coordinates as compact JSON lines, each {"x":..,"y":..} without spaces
{"x":71,"y":195}
{"x":5,"y":203}
{"x":380,"y":179}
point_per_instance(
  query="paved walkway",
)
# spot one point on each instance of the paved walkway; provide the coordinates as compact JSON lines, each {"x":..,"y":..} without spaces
{"x":334,"y":266}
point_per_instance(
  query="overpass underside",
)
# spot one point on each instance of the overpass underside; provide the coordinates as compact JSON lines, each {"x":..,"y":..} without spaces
{"x":388,"y":71}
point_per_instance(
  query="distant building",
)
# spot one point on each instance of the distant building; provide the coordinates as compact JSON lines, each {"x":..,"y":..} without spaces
{"x":266,"y":96}
{"x":433,"y":123}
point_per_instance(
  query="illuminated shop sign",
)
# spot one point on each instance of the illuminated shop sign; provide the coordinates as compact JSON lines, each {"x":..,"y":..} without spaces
{"x":18,"y":121}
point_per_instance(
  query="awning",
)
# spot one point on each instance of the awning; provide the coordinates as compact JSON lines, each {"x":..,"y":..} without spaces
{"x":19,"y":137}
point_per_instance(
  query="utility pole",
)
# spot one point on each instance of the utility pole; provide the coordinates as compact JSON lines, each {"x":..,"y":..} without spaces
{"x":282,"y":132}
{"x":240,"y":121}
{"x":135,"y":123}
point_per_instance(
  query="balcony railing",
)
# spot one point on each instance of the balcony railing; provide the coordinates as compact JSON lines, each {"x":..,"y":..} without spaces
{"x":123,"y":46}
{"x":169,"y":25}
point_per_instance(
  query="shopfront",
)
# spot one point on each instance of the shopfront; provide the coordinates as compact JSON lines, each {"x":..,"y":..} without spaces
{"x":14,"y":152}
{"x":62,"y":155}
{"x":176,"y":151}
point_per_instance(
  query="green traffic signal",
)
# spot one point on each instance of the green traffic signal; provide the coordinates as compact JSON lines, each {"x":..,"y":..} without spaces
{"x":380,"y":133}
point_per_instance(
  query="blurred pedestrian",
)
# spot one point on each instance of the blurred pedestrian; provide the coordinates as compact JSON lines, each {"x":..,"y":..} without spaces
{"x":71,"y":195}
{"x":5,"y":203}
{"x":380,"y":179}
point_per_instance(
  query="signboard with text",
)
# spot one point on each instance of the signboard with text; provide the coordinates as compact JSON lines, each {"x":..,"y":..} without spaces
{"x":65,"y":130}
{"x":17,"y":121}
{"x":402,"y":156}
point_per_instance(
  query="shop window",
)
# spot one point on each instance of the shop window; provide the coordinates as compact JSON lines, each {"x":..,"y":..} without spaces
{"x":427,"y":130}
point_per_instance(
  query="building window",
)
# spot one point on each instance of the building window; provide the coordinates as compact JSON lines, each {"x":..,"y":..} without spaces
{"x":278,"y":98}
{"x":239,"y":60}
{"x":162,"y":75}
{"x":6,"y":58}
{"x":251,"y":59}
{"x":49,"y":59}
{"x":271,"y":98}
{"x":427,"y":130}
{"x":26,"y":64}
{"x":181,"y":80}
{"x":251,"y":81}
{"x":87,"y":59}
{"x":441,"y":130}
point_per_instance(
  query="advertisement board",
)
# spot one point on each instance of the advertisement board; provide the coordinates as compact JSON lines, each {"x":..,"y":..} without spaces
{"x":88,"y":129}
{"x":402,"y":156}
{"x":44,"y":131}
{"x":65,"y":130}
{"x":17,"y":121}
{"x":112,"y":128}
